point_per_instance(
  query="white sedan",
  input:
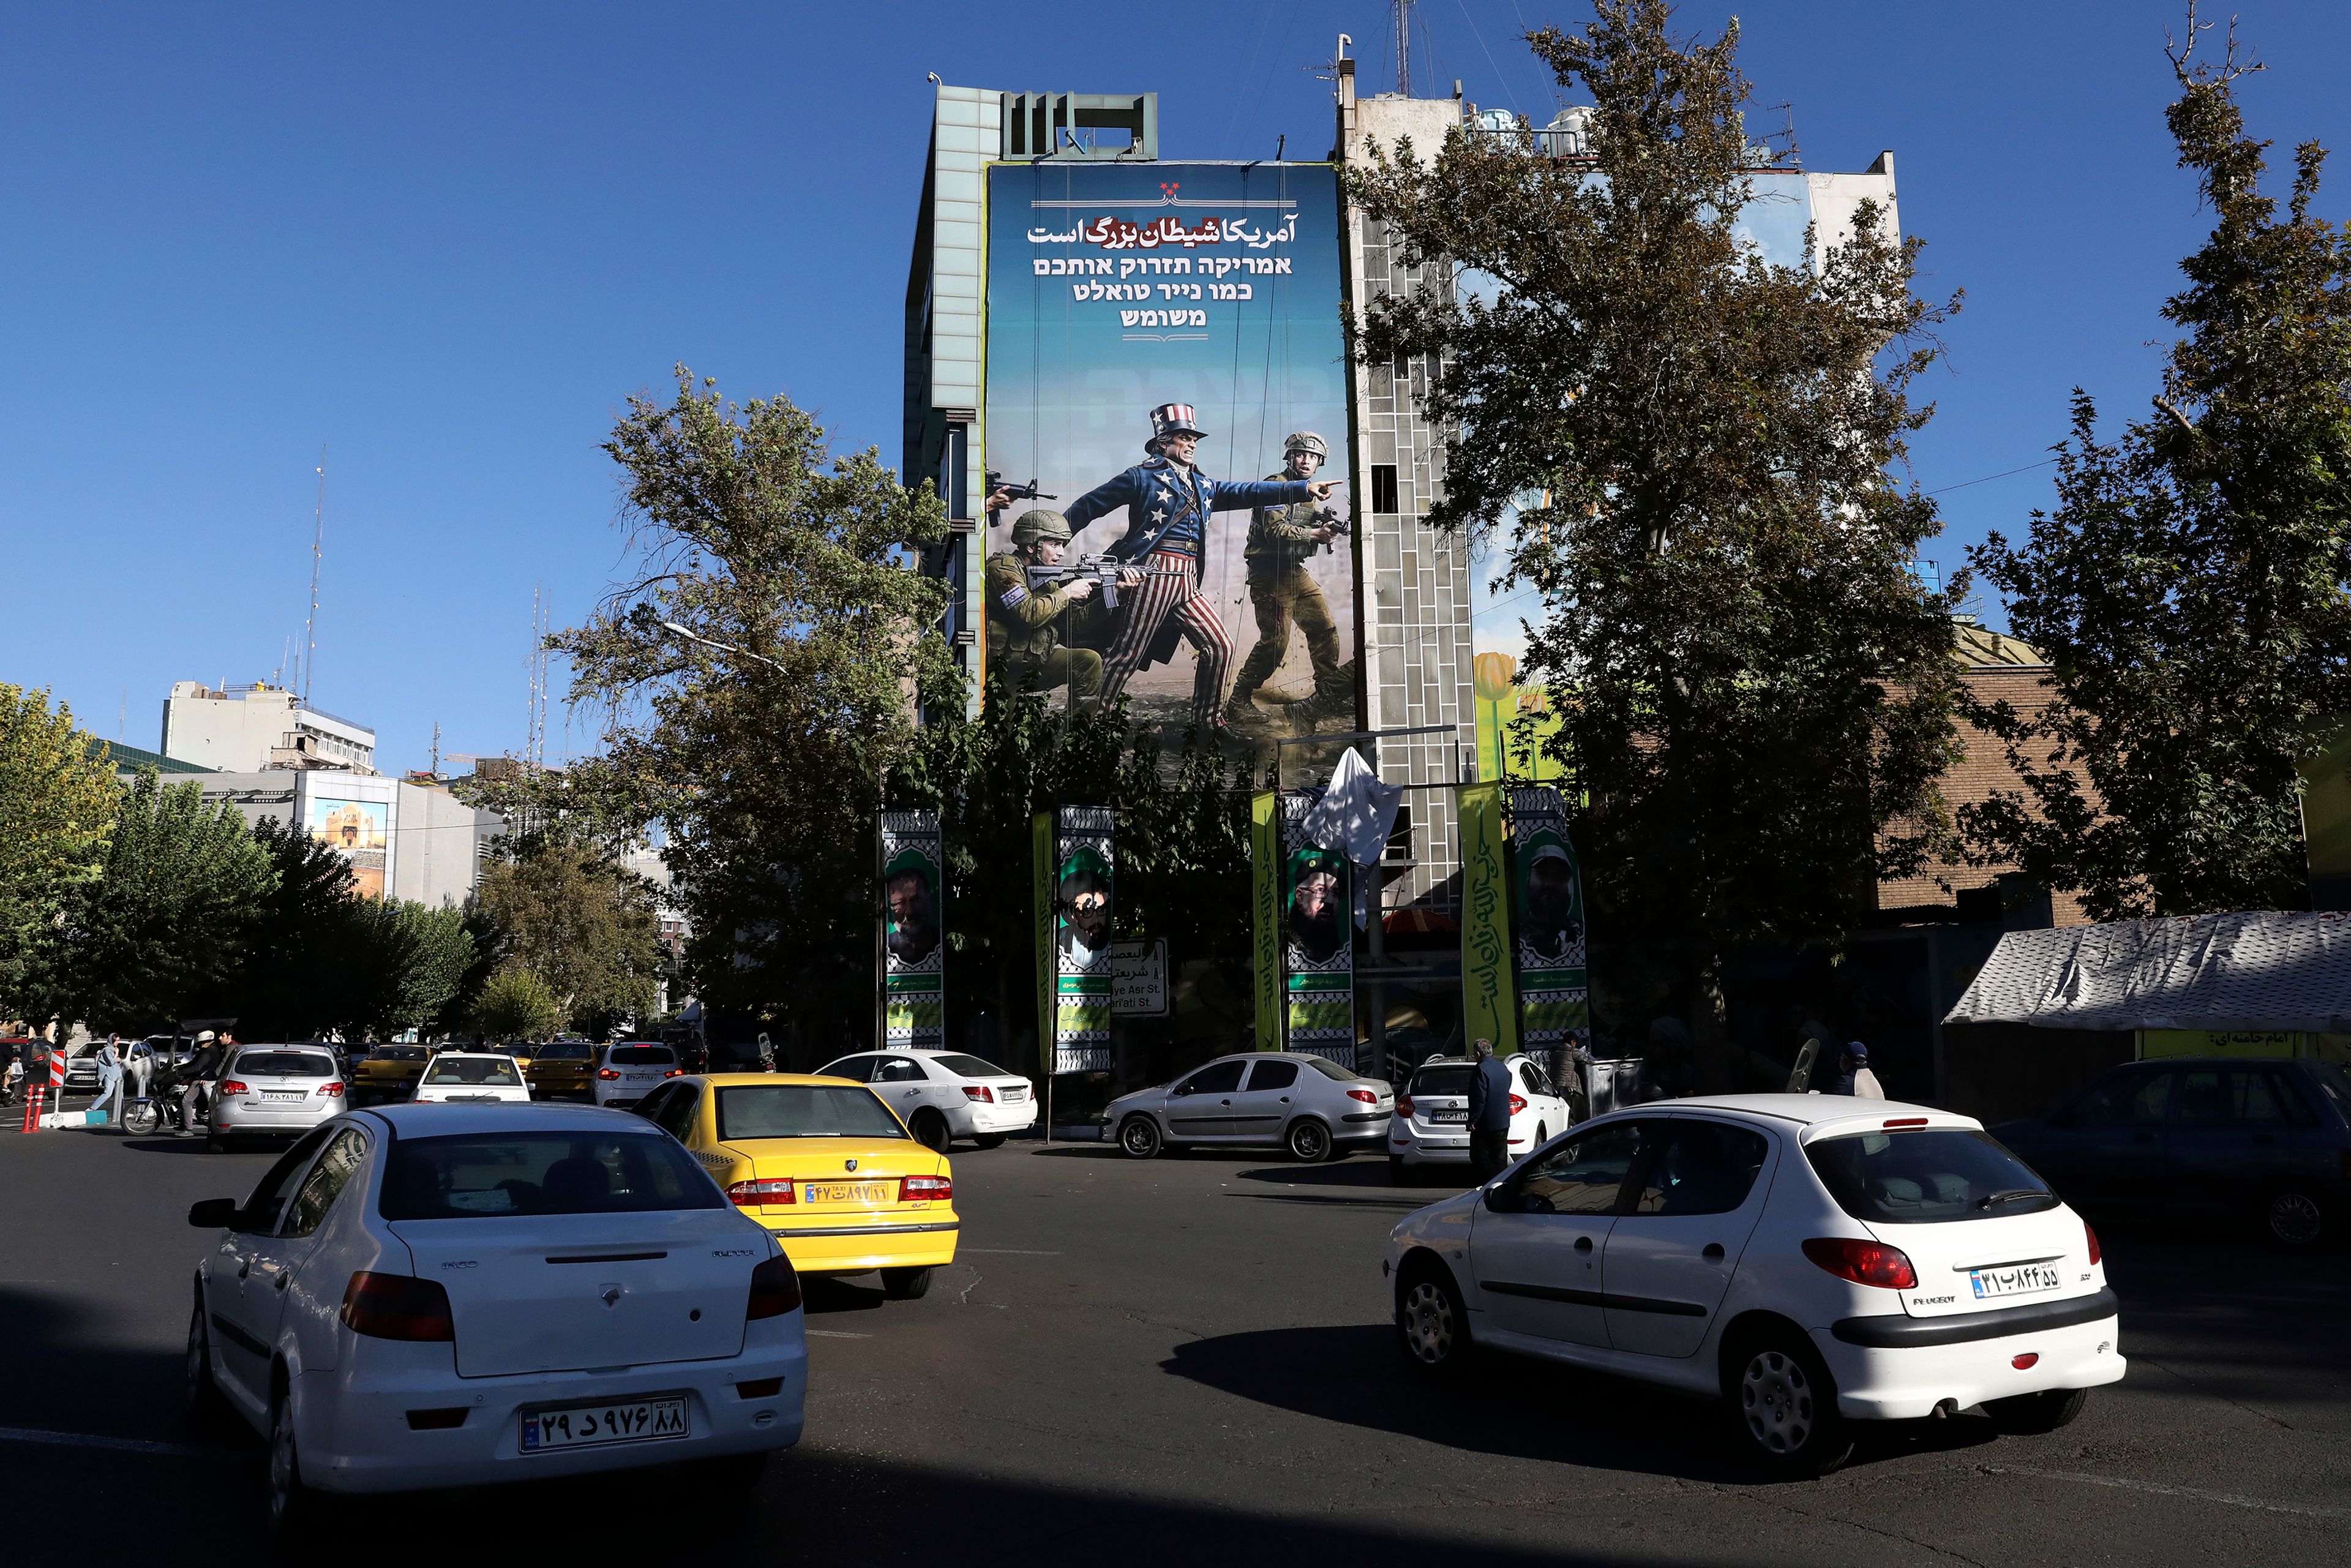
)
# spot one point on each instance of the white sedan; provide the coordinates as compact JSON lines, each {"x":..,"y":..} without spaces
{"x":943,"y":1096}
{"x":470,"y":1078}
{"x":1811,"y":1260}
{"x":464,"y":1294}
{"x":1432,"y":1114}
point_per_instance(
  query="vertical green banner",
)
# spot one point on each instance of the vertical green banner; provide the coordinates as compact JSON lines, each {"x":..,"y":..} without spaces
{"x":914,"y":893}
{"x":1040,"y":850}
{"x":1084,"y":870}
{"x":1489,"y":997}
{"x":1318,"y":944}
{"x":1265,"y":905}
{"x":1547,"y":909}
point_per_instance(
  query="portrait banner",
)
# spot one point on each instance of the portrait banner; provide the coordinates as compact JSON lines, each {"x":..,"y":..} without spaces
{"x":1265,"y":909}
{"x":1081,"y":880}
{"x":913,"y":926}
{"x":1318,"y":946}
{"x":1547,"y":911}
{"x":1489,"y":1001}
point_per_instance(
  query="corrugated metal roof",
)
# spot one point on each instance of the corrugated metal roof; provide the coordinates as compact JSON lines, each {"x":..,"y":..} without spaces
{"x":2259,"y":969}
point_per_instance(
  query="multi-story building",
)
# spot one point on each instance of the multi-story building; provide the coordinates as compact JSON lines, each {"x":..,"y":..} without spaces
{"x":244,"y":729}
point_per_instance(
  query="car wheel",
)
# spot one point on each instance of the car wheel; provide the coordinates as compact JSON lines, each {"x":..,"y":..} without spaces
{"x":203,"y":1393}
{"x":1542,"y":1136}
{"x":2042,"y":1412}
{"x":1309,"y":1141}
{"x":931,"y":1131}
{"x":905,"y":1284}
{"x":215,"y":1143}
{"x":1139,"y":1138}
{"x":1397,"y":1174}
{"x":2295,"y":1217}
{"x":294,"y":1511}
{"x":1432,"y":1324}
{"x":1785,"y":1404}
{"x":988,"y":1141}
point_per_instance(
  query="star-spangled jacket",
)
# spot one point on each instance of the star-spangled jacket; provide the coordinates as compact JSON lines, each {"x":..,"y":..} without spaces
{"x":1159,"y":497}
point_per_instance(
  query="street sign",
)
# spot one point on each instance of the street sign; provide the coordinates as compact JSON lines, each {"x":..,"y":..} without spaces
{"x":1138,"y":978}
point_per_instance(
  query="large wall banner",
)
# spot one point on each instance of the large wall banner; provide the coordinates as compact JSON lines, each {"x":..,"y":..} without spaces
{"x":1076,"y":865}
{"x":1489,"y":999}
{"x":1318,"y":946}
{"x":914,"y":890}
{"x":1554,"y":995}
{"x":362,"y":830}
{"x":1195,"y":307}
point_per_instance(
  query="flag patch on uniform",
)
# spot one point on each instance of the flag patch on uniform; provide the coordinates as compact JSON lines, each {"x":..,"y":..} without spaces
{"x":1015,"y":596}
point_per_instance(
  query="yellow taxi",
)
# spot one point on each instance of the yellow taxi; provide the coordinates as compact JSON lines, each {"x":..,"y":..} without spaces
{"x":389,"y":1071}
{"x":825,"y":1165}
{"x":559,"y":1068}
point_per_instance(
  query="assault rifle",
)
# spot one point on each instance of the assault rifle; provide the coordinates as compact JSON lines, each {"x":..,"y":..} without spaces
{"x":1028,"y":492}
{"x":1329,"y":517}
{"x":1097,"y":569}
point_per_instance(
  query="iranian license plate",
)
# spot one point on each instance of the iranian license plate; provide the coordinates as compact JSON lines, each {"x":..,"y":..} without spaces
{"x":596,"y":1426}
{"x":846,"y":1191}
{"x":284,"y":1095}
{"x":1449,"y":1115}
{"x":2014,"y":1279}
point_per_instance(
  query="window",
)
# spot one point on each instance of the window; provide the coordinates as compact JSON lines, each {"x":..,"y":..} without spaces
{"x":1383,"y":488}
{"x":1216,"y":1078}
{"x":1452,"y":1079}
{"x":2240,"y":1096}
{"x":1701,"y":1167}
{"x":325,"y":1183}
{"x":1531,"y":1071}
{"x":1273,"y":1075}
{"x":2335,"y":1083}
{"x":804,"y":1111}
{"x":1582,"y":1175}
{"x":1931,"y":1173}
{"x":675,"y":1113}
{"x":285,"y":1064}
{"x":260,"y":1211}
{"x":972,"y":1067}
{"x":642,"y":1056}
{"x":492,"y":1070}
{"x":899,"y":1070}
{"x":565,"y":1051}
{"x":479,"y":1176}
{"x":2125,"y":1100}
{"x":856,"y":1068}
{"x":1330,"y":1069}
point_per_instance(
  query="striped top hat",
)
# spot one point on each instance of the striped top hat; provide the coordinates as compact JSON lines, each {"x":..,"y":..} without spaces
{"x":1173,"y":419}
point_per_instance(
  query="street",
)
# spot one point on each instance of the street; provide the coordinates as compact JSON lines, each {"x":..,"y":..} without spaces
{"x":1187,"y":1360}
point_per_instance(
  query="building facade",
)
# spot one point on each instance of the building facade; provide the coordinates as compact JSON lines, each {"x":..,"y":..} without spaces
{"x":244,"y":729}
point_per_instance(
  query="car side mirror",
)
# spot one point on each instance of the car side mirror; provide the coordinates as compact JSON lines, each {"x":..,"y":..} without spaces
{"x":213,"y":1214}
{"x":1501,"y":1199}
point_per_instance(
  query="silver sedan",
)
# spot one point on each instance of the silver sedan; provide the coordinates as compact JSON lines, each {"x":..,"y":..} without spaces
{"x":1307,"y":1104}
{"x":276,"y":1090}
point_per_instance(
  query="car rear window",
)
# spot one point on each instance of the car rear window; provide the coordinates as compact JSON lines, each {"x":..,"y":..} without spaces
{"x":1330,"y":1069}
{"x":496,"y":1069}
{"x":565,"y":1051}
{"x":642,"y":1056}
{"x":1925,"y":1175}
{"x":1442,"y":1081}
{"x":972,"y":1067}
{"x":397,"y":1053}
{"x":474,"y":1175}
{"x":287,"y":1064}
{"x":804,"y":1111}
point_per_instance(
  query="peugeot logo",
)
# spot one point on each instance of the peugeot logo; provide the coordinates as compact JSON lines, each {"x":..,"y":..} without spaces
{"x":849,"y":1165}
{"x":612,"y":1295}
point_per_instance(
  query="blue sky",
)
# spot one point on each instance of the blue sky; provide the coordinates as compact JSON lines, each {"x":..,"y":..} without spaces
{"x":448,"y":242}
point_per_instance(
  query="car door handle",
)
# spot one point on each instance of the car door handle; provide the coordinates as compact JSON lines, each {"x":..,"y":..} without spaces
{"x":1285,"y":1099}
{"x":1713,"y":1252}
{"x":1584,"y":1244}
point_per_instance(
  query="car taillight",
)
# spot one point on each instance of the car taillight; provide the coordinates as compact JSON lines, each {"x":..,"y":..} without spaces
{"x":2094,"y":1253}
{"x":913,"y":1189}
{"x":330,"y":1089}
{"x":752,"y":1194}
{"x":674,"y":1072}
{"x":606,"y":1072}
{"x":1365,"y":1095}
{"x":775,"y":1289}
{"x":1518,"y":1103}
{"x":1863,"y":1262}
{"x":1404,"y":1106}
{"x":231,"y":1086}
{"x":396,"y":1306}
{"x":979,"y":1092}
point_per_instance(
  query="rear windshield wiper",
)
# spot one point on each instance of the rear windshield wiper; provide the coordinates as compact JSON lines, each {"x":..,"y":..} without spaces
{"x":2012,"y":1196}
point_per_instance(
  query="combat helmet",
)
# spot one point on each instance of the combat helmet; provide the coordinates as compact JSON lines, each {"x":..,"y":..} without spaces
{"x":1305,"y":441}
{"x":1044,"y":523}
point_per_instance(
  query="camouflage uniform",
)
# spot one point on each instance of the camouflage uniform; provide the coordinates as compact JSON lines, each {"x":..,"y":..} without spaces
{"x":1281,"y":589}
{"x":1025,"y":631}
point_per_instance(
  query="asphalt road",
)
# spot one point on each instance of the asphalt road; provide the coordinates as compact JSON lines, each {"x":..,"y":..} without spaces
{"x":1187,"y":1360}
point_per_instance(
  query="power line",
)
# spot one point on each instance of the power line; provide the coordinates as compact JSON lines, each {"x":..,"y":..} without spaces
{"x":1990,"y":477}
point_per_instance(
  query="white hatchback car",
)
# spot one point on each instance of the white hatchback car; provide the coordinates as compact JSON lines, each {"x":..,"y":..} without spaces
{"x":470,"y":1078}
{"x":1811,"y":1260}
{"x":627,"y":1070}
{"x":943,"y":1096}
{"x":471,"y":1293}
{"x":1432,"y":1114}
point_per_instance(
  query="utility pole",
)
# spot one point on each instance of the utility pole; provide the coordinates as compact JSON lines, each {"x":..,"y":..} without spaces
{"x":318,"y":549}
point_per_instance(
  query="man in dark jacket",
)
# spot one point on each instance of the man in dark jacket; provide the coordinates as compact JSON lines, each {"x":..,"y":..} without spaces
{"x":1489,"y":1115}
{"x":205,"y":1065}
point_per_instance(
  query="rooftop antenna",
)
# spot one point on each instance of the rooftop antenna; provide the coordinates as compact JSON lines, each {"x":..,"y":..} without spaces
{"x":317,"y":543}
{"x":436,"y":748}
{"x":1402,"y":9}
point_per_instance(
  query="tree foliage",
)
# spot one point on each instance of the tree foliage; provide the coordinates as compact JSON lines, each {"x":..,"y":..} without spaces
{"x":292,"y":970}
{"x":2192,"y":590}
{"x":58,"y":799}
{"x":1754,"y":691}
{"x":582,"y":924}
{"x":515,"y":1004}
{"x":401,"y":965}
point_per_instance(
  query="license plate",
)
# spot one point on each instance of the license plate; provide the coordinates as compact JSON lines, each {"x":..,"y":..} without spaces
{"x":284,"y":1095}
{"x":596,"y":1426}
{"x":2015,"y":1280}
{"x":1449,"y":1115}
{"x":846,"y":1191}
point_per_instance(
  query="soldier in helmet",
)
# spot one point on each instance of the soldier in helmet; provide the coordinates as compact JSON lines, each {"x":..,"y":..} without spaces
{"x":1282,"y":540}
{"x":1026,"y":632}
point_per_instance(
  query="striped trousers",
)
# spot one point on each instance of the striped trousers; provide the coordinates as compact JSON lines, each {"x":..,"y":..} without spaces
{"x":1173,"y":588}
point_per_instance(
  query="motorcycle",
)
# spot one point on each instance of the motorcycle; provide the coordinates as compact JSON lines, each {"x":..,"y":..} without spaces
{"x":159,"y":1107}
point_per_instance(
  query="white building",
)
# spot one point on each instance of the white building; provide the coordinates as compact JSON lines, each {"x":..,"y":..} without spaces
{"x":414,"y":842}
{"x":244,"y":729}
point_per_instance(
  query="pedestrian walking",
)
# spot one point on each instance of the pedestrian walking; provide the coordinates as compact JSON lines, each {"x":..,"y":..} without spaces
{"x":106,"y":1109}
{"x":1853,"y":1076}
{"x":1489,"y":1115}
{"x":138,"y":1066}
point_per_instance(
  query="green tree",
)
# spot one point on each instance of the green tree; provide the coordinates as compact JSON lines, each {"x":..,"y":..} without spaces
{"x":400,"y":964}
{"x":2192,"y":590}
{"x":163,"y":933}
{"x":580,"y":923}
{"x":1754,"y":692}
{"x":301,"y":937}
{"x":58,"y":799}
{"x":515,"y":1004}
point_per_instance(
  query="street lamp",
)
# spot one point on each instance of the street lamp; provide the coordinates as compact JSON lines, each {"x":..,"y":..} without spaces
{"x":722,"y":647}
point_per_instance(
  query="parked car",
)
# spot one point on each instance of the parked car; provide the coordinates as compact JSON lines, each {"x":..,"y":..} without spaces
{"x":826,"y":1165}
{"x":943,"y":1096}
{"x":1307,"y":1104}
{"x":561,"y":1069}
{"x":398,"y":1257}
{"x":627,"y":1070}
{"x":275,"y":1091}
{"x":389,"y":1071}
{"x":470,"y":1078}
{"x":1808,"y":1260}
{"x":2267,"y":1143}
{"x":1432,"y":1114}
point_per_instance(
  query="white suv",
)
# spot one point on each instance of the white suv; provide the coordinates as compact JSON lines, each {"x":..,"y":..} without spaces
{"x":1811,"y":1260}
{"x":1432,"y":1114}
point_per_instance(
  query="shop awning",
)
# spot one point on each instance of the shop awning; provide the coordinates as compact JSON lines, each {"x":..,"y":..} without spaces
{"x":2261,"y":969}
